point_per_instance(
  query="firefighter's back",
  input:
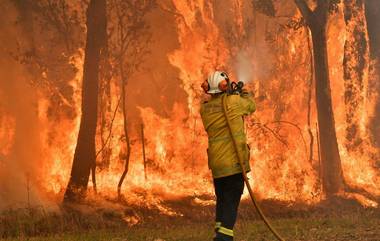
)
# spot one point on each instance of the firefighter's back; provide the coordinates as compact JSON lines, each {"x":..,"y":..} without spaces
{"x":222,"y":158}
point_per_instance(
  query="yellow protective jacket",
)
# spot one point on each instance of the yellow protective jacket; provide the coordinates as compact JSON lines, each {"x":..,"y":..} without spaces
{"x":222,"y":158}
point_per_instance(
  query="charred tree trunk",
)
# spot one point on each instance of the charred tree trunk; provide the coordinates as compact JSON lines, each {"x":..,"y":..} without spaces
{"x":84,"y":156}
{"x":355,"y":64}
{"x":126,"y":135}
{"x":332,"y":176}
{"x":372,"y":11}
{"x":331,"y":163}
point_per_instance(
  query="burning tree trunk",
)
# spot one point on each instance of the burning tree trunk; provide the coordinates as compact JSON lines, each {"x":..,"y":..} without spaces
{"x":316,"y":20}
{"x":372,"y":11}
{"x":84,"y":156}
{"x":355,"y":65}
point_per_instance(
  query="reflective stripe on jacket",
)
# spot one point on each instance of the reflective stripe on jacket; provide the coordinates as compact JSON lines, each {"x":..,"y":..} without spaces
{"x":222,"y":158}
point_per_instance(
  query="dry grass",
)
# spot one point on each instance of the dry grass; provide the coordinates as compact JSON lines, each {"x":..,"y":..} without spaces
{"x":347,"y":222}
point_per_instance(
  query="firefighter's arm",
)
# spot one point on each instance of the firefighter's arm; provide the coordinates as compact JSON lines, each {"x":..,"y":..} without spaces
{"x":247,"y":103}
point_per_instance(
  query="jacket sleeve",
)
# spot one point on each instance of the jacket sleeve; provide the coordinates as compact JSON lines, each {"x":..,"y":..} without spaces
{"x":247,"y":104}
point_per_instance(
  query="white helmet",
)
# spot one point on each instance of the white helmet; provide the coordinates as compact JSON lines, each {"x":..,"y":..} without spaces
{"x":214,"y":79}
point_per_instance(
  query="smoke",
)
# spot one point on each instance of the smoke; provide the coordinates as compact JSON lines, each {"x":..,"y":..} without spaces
{"x":244,"y":67}
{"x":253,"y":68}
{"x":253,"y":64}
{"x":20,"y":165}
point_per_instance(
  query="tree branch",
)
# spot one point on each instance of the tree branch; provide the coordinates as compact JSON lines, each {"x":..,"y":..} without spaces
{"x":174,"y":13}
{"x":110,"y":130}
{"x":306,"y":12}
{"x":264,"y":127}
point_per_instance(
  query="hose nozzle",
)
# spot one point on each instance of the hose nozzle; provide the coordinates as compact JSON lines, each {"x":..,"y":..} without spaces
{"x":236,"y":88}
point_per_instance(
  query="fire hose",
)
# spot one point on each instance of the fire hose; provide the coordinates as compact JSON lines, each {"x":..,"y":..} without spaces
{"x":255,"y":203}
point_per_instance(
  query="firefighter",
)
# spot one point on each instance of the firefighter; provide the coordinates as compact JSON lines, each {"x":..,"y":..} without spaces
{"x":222,"y":156}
